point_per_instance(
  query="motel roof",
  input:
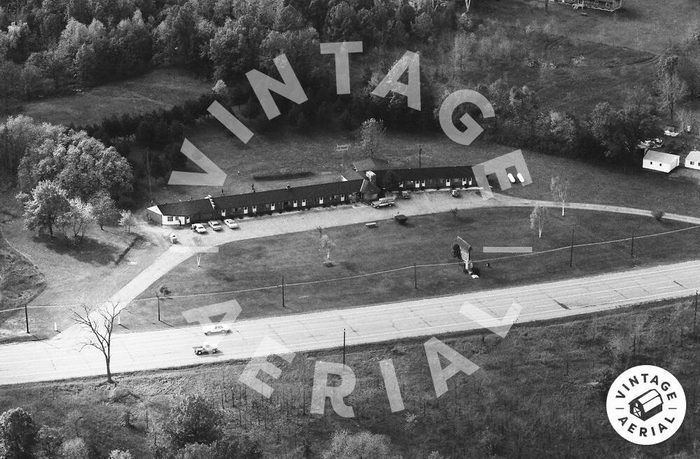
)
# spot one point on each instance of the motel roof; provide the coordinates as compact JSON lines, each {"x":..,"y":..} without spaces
{"x":426,"y":173}
{"x":288,"y":194}
{"x":183,"y":208}
{"x":660,"y":156}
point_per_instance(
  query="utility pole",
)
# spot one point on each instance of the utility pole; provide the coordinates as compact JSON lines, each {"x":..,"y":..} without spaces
{"x":571,"y":257}
{"x":632,"y":249}
{"x":420,"y":153}
{"x":158,"y":298}
{"x":26,"y":316}
{"x":415,"y":277}
{"x":283,"y":304}
{"x":343,"y":346}
{"x":695,"y":314}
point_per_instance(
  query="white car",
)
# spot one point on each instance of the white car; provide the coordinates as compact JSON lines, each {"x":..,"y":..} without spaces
{"x":230,"y":223}
{"x":216,"y":226}
{"x":217,"y":328}
{"x":198,"y":227}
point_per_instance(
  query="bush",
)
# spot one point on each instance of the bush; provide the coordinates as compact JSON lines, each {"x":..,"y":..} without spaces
{"x":658,"y":215}
{"x":194,"y":420}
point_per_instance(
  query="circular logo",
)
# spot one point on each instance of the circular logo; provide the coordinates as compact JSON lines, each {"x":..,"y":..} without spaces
{"x":646,"y":405}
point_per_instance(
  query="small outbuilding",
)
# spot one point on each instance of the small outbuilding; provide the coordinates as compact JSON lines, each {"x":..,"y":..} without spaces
{"x":692,"y":161}
{"x":660,"y":161}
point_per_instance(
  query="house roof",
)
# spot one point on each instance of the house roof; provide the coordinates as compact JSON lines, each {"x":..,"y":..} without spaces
{"x":660,"y":156}
{"x":370,"y":164}
{"x":351,"y":174}
{"x":693,"y":156}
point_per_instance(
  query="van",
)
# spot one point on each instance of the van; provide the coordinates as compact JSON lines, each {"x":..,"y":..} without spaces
{"x":383,"y":202}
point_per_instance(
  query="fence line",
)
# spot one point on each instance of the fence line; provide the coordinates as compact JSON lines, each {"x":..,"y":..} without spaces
{"x":386,"y":271}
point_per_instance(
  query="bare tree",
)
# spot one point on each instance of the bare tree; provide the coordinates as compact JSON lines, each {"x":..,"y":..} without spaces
{"x":672,"y":90}
{"x":538,"y":218}
{"x":127,"y":220}
{"x":327,"y":245}
{"x":372,"y":134}
{"x":100,"y":323}
{"x":560,"y":191}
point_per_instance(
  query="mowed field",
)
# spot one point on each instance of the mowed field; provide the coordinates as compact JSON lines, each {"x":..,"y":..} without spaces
{"x":159,"y":89}
{"x":540,"y":392}
{"x":375,"y":266}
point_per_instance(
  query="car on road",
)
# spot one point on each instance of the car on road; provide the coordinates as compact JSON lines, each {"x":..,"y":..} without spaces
{"x":231,"y":224}
{"x":213,"y":224}
{"x":198,"y":227}
{"x":217,"y":328}
{"x":205,"y":348}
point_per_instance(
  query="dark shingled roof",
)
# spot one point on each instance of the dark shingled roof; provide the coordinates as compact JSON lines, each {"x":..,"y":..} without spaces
{"x":291,"y":194}
{"x":186,"y":208}
{"x":426,"y":173}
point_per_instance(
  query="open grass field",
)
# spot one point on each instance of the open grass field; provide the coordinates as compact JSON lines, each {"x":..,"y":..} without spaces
{"x":425,"y":240}
{"x":645,"y":25}
{"x":269,"y":153}
{"x":159,"y":89}
{"x":540,"y":392}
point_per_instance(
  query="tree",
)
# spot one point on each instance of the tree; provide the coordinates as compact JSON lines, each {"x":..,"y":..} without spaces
{"x":127,"y":220}
{"x":47,"y":204}
{"x":100,"y":324}
{"x":538,"y":218}
{"x":560,"y":190}
{"x":372,"y":135}
{"x":672,"y":89}
{"x":78,"y":218}
{"x":327,"y":245}
{"x":30,"y":80}
{"x":17,"y":433}
{"x":104,"y":210}
{"x":20,"y":135}
{"x":119,"y":454}
{"x":362,"y":445}
{"x":194,"y":420}
{"x":75,"y":448}
{"x":49,"y":441}
{"x":81,"y":164}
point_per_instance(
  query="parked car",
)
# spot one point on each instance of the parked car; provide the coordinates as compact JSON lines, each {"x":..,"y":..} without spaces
{"x":173,"y":238}
{"x":205,"y":348}
{"x":217,"y":328}
{"x":401,"y":218}
{"x":198,"y":227}
{"x":384,"y":202}
{"x":231,"y":224}
{"x":406,"y":194}
{"x":456,"y":193}
{"x":213,"y":224}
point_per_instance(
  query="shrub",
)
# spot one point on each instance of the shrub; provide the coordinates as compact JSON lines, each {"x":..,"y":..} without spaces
{"x":658,"y":215}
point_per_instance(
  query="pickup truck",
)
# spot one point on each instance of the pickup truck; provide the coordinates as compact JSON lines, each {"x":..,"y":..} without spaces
{"x":205,"y":349}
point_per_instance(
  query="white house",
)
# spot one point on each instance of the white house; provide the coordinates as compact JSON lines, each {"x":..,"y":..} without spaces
{"x":660,"y":161}
{"x":692,"y":161}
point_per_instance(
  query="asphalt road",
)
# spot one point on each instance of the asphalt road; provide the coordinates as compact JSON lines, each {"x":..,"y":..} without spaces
{"x":61,"y":359}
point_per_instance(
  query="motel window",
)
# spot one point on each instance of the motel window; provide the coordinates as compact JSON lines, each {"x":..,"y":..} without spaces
{"x":320,"y":200}
{"x":342,"y":198}
{"x":272,"y":206}
{"x":303,"y":202}
{"x":692,"y":163}
{"x":245,"y":210}
{"x":294,"y":203}
{"x":255,"y":208}
{"x":170,"y":218}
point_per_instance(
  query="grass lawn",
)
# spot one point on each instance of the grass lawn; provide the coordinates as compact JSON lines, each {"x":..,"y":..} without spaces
{"x":540,"y":392}
{"x":645,"y":25}
{"x":61,"y":275}
{"x":424,"y":240}
{"x":159,"y":89}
